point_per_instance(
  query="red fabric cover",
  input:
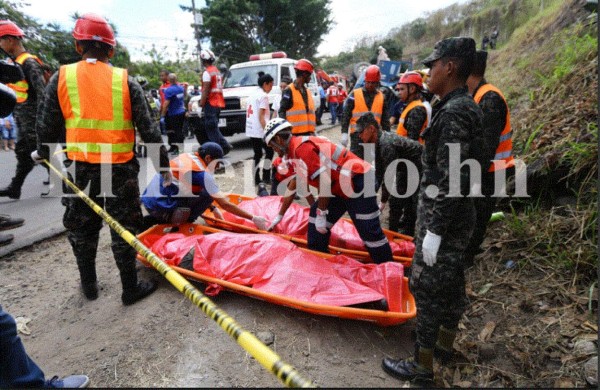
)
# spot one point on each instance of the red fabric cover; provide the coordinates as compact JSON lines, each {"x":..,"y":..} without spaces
{"x":271,"y":264}
{"x":295,"y":224}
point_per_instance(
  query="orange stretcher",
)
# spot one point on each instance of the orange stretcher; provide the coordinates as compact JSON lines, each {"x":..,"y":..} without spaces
{"x":301,"y":242}
{"x":380,"y":317}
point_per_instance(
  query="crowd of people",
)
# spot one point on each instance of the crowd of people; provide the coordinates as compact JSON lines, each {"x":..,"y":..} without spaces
{"x":456,"y":116}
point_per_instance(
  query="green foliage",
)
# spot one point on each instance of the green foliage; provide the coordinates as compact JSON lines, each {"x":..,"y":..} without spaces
{"x":237,"y":29}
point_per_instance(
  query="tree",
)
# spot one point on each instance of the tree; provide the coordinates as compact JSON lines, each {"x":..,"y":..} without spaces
{"x":237,"y":29}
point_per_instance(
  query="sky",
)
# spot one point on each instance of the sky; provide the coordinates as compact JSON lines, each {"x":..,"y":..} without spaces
{"x":141,"y":23}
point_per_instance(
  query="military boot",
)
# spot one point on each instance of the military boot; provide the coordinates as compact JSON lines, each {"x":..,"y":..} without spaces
{"x":12,"y":191}
{"x":134,"y":290}
{"x":6,"y":239}
{"x":89,"y":281}
{"x":444,"y":350}
{"x":418,"y":369}
{"x":266,"y":176}
{"x":6,"y":222}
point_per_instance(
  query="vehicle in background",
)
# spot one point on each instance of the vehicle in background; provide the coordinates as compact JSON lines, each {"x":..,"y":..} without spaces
{"x":241,"y":81}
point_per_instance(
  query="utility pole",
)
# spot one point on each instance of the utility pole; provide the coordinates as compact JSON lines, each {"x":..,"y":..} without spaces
{"x":197,"y":22}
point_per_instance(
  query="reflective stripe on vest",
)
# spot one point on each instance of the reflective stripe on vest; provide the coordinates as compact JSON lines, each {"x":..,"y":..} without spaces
{"x":504,"y":149}
{"x":21,"y":88}
{"x":401,"y":130}
{"x":215,"y":95}
{"x":94,"y":99}
{"x":360,"y":107}
{"x":303,"y":119}
{"x":337,"y":167}
{"x":184,"y":163}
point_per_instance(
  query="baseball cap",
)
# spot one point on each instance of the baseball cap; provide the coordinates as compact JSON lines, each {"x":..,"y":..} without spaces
{"x":461,"y":47}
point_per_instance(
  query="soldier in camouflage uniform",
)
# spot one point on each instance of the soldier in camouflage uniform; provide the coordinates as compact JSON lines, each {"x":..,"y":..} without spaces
{"x":95,"y":42}
{"x":389,"y":148}
{"x":30,"y":93}
{"x":496,"y":133}
{"x":444,"y":220}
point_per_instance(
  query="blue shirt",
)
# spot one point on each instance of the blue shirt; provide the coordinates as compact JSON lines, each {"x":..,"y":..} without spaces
{"x":174,"y":94}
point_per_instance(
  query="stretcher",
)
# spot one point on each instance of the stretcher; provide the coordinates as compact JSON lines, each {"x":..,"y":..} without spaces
{"x":402,"y":245}
{"x":366,"y":281}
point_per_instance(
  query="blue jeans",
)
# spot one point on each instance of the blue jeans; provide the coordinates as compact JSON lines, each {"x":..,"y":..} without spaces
{"x":211,"y":127}
{"x":16,"y":367}
{"x":333,"y":111}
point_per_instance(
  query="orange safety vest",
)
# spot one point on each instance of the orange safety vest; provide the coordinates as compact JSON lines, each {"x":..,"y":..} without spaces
{"x":360,"y":107}
{"x":183,"y":165}
{"x":503,"y":155}
{"x":21,"y":88}
{"x":94,"y":99}
{"x":302,"y":118}
{"x":215,"y":95}
{"x":339,"y":162}
{"x":401,"y":130}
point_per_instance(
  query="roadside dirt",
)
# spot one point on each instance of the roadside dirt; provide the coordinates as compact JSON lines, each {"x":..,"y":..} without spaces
{"x":518,"y":322}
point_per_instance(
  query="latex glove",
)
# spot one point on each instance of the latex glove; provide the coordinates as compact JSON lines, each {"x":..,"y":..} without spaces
{"x":260,"y":222}
{"x":344,"y":139}
{"x":321,"y":221}
{"x":162,"y":120}
{"x":431,"y":245}
{"x":275,"y":222}
{"x":35,"y":156}
{"x":217,"y":213}
{"x":382,"y":206}
{"x":167,"y":178}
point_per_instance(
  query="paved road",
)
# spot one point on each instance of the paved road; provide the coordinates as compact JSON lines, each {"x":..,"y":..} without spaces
{"x":43,"y":215}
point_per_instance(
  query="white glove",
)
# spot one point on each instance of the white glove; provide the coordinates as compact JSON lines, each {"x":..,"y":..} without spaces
{"x":35,"y":156}
{"x":382,"y":206}
{"x":217,"y":213}
{"x":321,"y":221}
{"x":431,"y":245}
{"x":344,"y":139}
{"x":276,"y":221}
{"x":260,"y":222}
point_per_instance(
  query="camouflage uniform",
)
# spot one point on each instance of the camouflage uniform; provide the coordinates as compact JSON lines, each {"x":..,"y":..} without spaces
{"x":389,"y":148}
{"x":414,"y":122}
{"x":355,"y":141}
{"x":25,"y":116}
{"x":82,"y":223}
{"x":439,"y":290}
{"x":494,"y":120}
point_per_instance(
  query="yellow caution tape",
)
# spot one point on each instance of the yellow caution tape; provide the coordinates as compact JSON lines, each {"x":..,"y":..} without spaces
{"x":263,"y":354}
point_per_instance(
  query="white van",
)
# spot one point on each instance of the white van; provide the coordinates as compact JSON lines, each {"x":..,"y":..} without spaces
{"x":241,"y":81}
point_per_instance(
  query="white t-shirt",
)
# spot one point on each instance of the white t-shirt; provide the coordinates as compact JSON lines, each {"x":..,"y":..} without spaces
{"x":257,"y":100}
{"x":206,"y":77}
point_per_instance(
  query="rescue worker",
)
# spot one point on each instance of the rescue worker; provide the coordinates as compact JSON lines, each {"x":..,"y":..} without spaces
{"x":29,"y":91}
{"x":389,"y":148}
{"x":497,"y":146}
{"x":345,"y":184}
{"x":297,"y":105}
{"x":163,"y":75}
{"x":360,"y":101}
{"x":333,"y":101}
{"x":413,"y":119}
{"x":444,"y":222}
{"x":212,"y":100}
{"x":100,"y":138}
{"x":192,"y":191}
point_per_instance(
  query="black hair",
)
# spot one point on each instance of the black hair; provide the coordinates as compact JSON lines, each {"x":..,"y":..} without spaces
{"x":463,"y":65}
{"x":367,"y":119}
{"x":480,"y":63}
{"x":264,"y":79}
{"x":95,"y":48}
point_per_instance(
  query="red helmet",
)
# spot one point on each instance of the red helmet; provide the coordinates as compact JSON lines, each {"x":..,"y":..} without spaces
{"x":9,"y":28}
{"x":412,"y":78}
{"x":304,"y":65}
{"x":372,"y":74}
{"x":91,"y":27}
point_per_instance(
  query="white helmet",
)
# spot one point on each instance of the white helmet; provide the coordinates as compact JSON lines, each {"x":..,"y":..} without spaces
{"x":274,"y":126}
{"x":207,"y":55}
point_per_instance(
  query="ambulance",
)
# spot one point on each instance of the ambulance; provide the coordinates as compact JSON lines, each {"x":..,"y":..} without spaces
{"x":241,"y":81}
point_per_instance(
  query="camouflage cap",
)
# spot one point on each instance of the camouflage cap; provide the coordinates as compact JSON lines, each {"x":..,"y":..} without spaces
{"x":461,"y":47}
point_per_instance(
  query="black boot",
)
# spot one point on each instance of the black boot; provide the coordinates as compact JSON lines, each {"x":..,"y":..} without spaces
{"x":134,"y":290}
{"x":417,"y":369}
{"x":266,"y":176}
{"x":6,"y":239}
{"x":7,"y":222}
{"x":12,"y":191}
{"x":89,"y":282}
